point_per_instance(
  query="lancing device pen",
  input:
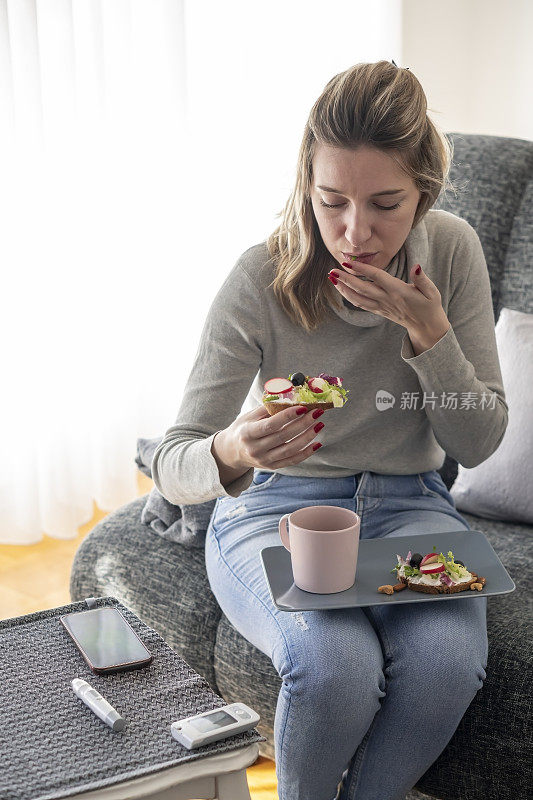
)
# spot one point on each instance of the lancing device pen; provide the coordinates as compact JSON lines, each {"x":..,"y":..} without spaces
{"x":98,"y":704}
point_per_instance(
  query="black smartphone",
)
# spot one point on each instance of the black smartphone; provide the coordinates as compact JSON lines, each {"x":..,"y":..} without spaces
{"x":106,"y":640}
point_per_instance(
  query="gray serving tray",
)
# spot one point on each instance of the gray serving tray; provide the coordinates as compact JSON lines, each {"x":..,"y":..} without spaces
{"x":375,"y":561}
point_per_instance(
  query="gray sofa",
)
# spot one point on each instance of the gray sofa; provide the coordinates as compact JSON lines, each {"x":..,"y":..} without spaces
{"x":166,"y":585}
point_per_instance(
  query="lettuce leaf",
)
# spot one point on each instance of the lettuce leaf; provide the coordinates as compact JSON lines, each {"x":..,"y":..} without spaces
{"x":332,"y":394}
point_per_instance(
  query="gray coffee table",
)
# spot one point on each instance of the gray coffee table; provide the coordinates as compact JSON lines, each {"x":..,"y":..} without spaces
{"x":54,"y":747}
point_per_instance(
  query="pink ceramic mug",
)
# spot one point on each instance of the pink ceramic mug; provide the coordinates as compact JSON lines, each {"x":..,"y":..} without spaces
{"x":323,"y":542}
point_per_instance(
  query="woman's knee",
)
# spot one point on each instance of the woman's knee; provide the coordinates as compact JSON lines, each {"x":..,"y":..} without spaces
{"x":454,"y":636}
{"x":333,"y":660}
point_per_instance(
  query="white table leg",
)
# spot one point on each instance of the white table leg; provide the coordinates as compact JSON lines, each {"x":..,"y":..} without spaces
{"x":232,"y":786}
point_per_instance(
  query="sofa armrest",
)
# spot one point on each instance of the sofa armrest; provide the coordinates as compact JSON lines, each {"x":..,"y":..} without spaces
{"x":163,"y":582}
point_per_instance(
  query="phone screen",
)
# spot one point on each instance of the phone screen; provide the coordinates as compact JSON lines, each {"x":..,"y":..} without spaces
{"x":105,"y":638}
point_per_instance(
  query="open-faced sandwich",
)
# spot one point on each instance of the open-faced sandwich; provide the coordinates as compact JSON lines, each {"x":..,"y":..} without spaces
{"x":323,"y":391}
{"x":432,"y":574}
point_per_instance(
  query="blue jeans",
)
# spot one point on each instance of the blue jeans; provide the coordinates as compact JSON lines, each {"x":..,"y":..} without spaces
{"x":374,"y":692}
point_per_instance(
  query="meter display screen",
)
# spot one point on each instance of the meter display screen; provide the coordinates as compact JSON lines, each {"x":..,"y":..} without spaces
{"x":210,"y":722}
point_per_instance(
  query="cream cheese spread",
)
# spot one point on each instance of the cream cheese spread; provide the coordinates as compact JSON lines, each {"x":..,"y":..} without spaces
{"x":434,"y":581}
{"x":292,"y":397}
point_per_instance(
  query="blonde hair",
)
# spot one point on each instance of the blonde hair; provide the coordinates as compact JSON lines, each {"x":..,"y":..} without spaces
{"x":379,"y":105}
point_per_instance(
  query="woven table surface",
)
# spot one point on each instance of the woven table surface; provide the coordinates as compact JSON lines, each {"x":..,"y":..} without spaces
{"x":52,"y":745}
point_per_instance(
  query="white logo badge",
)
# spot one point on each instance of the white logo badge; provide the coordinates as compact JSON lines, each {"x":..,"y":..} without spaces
{"x":384,"y":400}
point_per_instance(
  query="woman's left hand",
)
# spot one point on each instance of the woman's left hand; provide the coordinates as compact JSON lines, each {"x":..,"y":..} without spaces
{"x":416,"y":306}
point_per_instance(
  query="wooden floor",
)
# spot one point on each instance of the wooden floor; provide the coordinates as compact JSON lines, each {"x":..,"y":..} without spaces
{"x":35,"y":577}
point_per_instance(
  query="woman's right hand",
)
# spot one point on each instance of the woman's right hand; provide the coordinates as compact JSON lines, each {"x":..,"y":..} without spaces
{"x":256,"y":439}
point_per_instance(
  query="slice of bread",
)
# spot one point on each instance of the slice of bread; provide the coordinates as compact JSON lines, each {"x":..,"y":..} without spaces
{"x":274,"y":406}
{"x":440,"y":588}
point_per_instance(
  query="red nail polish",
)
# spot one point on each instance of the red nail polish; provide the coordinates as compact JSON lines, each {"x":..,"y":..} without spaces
{"x":417,"y":270}
{"x":335,"y":274}
{"x":345,"y":264}
{"x":317,"y":445}
{"x":300,"y":411}
{"x":317,"y":413}
{"x":333,"y":280}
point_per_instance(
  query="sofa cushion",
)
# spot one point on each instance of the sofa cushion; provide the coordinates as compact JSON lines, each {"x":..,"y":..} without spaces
{"x":516,"y":288}
{"x":491,"y":174}
{"x":501,"y":486}
{"x":245,"y":673}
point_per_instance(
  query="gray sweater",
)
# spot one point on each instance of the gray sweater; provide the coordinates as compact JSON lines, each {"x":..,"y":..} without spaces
{"x":403,"y":412}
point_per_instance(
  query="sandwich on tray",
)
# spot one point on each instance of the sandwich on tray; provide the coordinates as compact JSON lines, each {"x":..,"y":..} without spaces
{"x":432,"y":574}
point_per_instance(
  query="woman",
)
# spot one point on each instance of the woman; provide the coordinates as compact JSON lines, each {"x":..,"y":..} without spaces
{"x":374,"y":692}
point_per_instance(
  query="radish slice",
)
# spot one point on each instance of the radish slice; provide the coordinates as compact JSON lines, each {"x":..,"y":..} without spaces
{"x":430,"y":558}
{"x":428,"y":569}
{"x":317,"y":385}
{"x":278,"y":386}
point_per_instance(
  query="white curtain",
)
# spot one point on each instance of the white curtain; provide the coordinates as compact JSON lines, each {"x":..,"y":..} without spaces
{"x":144,"y":145}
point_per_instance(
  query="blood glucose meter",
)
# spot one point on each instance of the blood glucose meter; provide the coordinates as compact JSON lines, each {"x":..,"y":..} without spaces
{"x":210,"y":726}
